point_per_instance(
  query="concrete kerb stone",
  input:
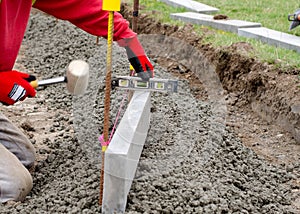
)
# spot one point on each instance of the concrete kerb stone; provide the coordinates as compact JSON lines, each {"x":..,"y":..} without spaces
{"x":208,"y":20}
{"x":191,"y":6}
{"x":123,"y":153}
{"x":243,"y":28}
{"x":272,"y":37}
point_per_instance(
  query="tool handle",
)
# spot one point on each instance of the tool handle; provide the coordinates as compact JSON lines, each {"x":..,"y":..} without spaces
{"x":34,"y":84}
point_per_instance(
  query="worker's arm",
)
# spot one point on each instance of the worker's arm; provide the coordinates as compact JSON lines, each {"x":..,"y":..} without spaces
{"x":89,"y":16}
{"x":14,"y":85}
{"x":13,"y":20}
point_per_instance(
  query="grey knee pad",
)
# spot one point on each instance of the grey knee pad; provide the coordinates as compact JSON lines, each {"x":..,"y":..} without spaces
{"x":15,"y":179}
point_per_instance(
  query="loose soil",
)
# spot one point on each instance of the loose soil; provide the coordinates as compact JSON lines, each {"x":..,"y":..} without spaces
{"x":239,"y":134}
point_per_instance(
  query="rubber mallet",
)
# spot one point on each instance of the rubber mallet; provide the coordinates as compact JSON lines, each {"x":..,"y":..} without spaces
{"x":77,"y":77}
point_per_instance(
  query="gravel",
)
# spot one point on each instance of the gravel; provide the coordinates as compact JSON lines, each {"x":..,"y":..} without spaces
{"x":189,"y":164}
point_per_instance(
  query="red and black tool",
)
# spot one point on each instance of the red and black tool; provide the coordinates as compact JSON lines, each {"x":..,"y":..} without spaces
{"x":295,"y":19}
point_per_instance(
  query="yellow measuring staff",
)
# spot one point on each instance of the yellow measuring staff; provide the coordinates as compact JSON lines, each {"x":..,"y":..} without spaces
{"x":111,"y":5}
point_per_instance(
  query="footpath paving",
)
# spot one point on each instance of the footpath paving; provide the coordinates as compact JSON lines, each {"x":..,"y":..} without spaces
{"x":272,"y":37}
{"x":208,"y":20}
{"x":191,"y":6}
{"x":199,"y":15}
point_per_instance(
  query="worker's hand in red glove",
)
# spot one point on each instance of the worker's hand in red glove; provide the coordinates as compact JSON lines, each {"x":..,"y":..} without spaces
{"x":137,"y":58}
{"x":15,"y":86}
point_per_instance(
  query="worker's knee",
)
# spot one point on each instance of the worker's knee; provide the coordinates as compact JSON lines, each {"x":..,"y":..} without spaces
{"x":16,"y":187}
{"x":16,"y":142}
{"x":15,"y":179}
{"x":22,"y":149}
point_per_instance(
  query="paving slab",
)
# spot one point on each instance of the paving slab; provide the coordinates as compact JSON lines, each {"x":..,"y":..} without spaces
{"x":191,"y":6}
{"x":272,"y":37}
{"x":208,"y":20}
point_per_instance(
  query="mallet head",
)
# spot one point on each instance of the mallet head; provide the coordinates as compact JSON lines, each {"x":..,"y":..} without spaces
{"x":77,"y":77}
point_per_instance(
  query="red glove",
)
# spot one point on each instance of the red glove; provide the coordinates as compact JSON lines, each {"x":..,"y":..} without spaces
{"x":137,"y":58}
{"x":15,"y":86}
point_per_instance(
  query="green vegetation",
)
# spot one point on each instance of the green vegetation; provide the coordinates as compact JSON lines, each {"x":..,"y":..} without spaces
{"x":271,"y":14}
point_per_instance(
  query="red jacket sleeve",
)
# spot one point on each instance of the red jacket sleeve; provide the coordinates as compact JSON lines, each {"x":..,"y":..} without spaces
{"x":13,"y":21}
{"x":87,"y":15}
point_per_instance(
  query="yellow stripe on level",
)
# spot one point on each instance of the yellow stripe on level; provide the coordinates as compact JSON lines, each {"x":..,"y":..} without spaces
{"x":111,"y":5}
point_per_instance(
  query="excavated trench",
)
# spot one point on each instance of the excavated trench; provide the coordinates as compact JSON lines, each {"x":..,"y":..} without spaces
{"x":266,"y":94}
{"x":257,"y":83}
{"x":206,"y":150}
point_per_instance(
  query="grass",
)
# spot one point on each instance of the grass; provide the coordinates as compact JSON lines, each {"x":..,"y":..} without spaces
{"x":271,"y":14}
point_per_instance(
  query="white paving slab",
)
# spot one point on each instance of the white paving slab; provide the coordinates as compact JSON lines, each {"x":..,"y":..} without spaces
{"x":208,"y":20}
{"x":123,"y":153}
{"x":191,"y":5}
{"x":272,"y":37}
